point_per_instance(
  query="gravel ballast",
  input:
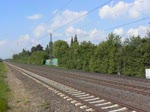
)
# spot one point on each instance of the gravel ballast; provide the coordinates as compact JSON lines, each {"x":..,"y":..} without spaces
{"x":29,"y":96}
{"x":141,"y":101}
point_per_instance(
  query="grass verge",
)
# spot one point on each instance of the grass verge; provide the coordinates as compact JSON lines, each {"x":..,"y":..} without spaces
{"x":4,"y":89}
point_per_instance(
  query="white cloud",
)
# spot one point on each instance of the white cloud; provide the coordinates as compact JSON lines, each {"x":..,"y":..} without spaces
{"x":26,"y":40}
{"x":122,"y":9}
{"x":94,"y":35}
{"x":35,"y":17}
{"x":139,"y":8}
{"x":59,"y":20}
{"x":97,"y":36}
{"x":40,"y":30}
{"x":118,"y":31}
{"x":141,"y":30}
{"x":3,"y":42}
{"x":65,"y":17}
{"x":23,"y":42}
{"x":72,"y":31}
{"x":114,"y":12}
{"x":14,"y":46}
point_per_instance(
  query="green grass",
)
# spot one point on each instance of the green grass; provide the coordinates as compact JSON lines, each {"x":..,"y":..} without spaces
{"x":4,"y":89}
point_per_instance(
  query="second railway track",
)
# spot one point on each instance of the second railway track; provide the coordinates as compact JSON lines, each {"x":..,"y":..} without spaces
{"x":119,"y":85}
{"x":123,"y":86}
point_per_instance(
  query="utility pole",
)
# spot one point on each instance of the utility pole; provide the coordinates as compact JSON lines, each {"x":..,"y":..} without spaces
{"x":51,"y":50}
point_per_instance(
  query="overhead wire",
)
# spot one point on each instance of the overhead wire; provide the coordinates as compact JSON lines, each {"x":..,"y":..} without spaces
{"x":77,"y":18}
{"x":60,"y":9}
{"x":89,"y":13}
{"x":67,"y":3}
{"x":82,"y":16}
{"x":56,"y":13}
{"x":127,"y":23}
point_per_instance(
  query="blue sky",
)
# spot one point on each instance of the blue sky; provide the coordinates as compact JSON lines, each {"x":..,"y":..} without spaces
{"x":26,"y":23}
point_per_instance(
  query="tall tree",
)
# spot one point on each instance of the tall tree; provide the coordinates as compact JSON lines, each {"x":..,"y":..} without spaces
{"x":76,"y":39}
{"x":36,"y":48}
{"x":39,"y":48}
{"x":71,"y":41}
{"x":47,"y":50}
{"x":60,"y":50}
{"x":86,"y":52}
{"x":33,"y":49}
{"x":114,"y":44}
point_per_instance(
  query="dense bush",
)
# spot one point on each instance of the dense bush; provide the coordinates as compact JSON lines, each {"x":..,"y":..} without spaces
{"x":110,"y":57}
{"x":38,"y":58}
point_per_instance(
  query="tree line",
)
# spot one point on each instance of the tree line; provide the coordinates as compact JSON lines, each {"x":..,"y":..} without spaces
{"x":35,"y":56}
{"x":109,"y":57}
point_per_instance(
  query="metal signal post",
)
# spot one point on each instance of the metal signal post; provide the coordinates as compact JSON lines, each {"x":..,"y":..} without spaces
{"x":51,"y":48}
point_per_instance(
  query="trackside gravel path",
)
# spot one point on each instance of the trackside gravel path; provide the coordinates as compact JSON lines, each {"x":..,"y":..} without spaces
{"x":29,"y":96}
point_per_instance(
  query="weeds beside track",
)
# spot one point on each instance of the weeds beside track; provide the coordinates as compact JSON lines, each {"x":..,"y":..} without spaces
{"x":4,"y":89}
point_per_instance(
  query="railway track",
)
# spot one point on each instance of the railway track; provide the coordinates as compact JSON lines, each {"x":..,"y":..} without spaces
{"x":122,"y":86}
{"x":85,"y":100}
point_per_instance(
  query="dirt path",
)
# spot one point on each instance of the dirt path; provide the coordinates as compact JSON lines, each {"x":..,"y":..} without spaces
{"x":20,"y":99}
{"x":29,"y":96}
